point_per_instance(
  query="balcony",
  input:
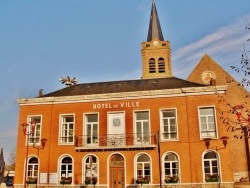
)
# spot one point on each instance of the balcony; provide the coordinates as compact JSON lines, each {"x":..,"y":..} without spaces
{"x":145,"y":141}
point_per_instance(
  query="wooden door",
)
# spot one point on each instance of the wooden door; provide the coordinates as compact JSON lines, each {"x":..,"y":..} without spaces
{"x":117,"y":178}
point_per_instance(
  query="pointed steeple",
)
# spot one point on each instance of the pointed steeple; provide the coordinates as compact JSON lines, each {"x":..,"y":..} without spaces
{"x":154,"y":30}
{"x":156,"y":53}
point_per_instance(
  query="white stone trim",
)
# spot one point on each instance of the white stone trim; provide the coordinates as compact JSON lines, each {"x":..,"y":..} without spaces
{"x":191,"y":91}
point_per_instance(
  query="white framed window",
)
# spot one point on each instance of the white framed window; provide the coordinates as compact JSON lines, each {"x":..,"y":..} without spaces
{"x":207,"y":122}
{"x":90,"y":170}
{"x":171,"y":168}
{"x":66,"y":170}
{"x":36,"y":137}
{"x":67,"y":129}
{"x":91,"y":128}
{"x":169,"y":124}
{"x":143,"y":168}
{"x":142,"y":126}
{"x":211,"y":167}
{"x":32,"y":170}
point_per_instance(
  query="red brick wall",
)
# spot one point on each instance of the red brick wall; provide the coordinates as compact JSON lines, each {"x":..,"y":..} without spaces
{"x":189,"y":147}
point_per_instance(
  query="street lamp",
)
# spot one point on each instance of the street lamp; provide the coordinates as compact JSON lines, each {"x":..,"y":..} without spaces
{"x":29,"y":131}
{"x":207,"y":142}
{"x":245,"y":128}
{"x":42,"y":145}
{"x":223,"y":139}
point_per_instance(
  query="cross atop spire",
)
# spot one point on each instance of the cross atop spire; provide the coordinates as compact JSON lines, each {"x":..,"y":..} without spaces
{"x":154,"y":30}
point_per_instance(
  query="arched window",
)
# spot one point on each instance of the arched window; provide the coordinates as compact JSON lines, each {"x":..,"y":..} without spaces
{"x":161,"y":65}
{"x":143,"y":169}
{"x":211,"y":167}
{"x":171,"y":168}
{"x":66,"y":170}
{"x":90,"y":170}
{"x":152,"y":68}
{"x":32,"y":170}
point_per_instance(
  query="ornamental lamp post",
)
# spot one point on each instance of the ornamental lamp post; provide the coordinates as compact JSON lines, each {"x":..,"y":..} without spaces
{"x":245,"y":127}
{"x":223,"y":139}
{"x":238,"y":111}
{"x":43,"y":142}
{"x":207,"y":142}
{"x":27,"y":132}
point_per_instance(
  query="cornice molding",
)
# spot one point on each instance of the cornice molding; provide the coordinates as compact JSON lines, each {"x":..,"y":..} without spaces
{"x":209,"y":90}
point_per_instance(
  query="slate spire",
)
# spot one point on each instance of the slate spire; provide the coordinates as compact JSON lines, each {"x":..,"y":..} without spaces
{"x":154,"y":30}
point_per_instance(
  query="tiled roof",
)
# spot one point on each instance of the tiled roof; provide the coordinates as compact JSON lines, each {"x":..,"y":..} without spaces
{"x":123,"y":86}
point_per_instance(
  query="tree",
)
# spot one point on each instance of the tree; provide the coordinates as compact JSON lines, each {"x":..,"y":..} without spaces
{"x":245,"y":65}
{"x":11,"y":161}
{"x":236,"y":117}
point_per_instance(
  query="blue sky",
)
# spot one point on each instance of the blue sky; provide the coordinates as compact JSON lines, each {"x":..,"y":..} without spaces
{"x":100,"y":40}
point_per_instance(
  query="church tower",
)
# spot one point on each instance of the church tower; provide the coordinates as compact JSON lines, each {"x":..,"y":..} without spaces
{"x":156,"y":53}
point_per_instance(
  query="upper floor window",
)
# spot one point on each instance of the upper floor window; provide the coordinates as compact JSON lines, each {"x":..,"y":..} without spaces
{"x":91,"y":127}
{"x":66,"y":170}
{"x":67,"y":129}
{"x":161,"y":65}
{"x":207,"y":122}
{"x":91,"y":170}
{"x":152,"y":66}
{"x":143,"y":169}
{"x":169,"y":124}
{"x":171,"y":168}
{"x":142,"y":126}
{"x":211,"y":167}
{"x":32,"y":171}
{"x":36,"y":137}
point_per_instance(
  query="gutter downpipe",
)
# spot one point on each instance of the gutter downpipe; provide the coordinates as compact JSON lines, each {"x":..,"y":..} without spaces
{"x":159,"y":158}
{"x":189,"y":143}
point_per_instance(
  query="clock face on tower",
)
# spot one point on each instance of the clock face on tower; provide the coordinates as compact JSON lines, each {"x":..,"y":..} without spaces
{"x":207,"y":76}
{"x":155,"y":43}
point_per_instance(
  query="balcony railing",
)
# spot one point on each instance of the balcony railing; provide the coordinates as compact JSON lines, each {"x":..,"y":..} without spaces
{"x":116,"y":141}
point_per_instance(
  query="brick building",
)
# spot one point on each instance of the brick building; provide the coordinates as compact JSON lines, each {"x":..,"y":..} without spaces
{"x":159,"y":130}
{"x":208,"y":68}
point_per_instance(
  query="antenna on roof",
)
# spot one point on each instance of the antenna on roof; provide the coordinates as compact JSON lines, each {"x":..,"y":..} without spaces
{"x":68,"y":81}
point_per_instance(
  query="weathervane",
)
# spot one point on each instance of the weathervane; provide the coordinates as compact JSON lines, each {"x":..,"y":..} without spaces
{"x":67,"y":81}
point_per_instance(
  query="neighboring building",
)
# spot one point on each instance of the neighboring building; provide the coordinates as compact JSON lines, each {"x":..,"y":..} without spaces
{"x":125,"y":133}
{"x":208,"y":69}
{"x":2,"y":165}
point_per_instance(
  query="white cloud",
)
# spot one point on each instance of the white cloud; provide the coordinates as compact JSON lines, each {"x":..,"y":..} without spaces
{"x":225,"y":44}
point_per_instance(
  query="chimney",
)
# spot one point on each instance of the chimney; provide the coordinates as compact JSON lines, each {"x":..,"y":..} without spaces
{"x":212,"y":82}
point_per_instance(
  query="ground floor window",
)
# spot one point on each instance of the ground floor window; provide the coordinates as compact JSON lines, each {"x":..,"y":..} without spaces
{"x":211,"y":167}
{"x":66,"y":170}
{"x":143,"y":169}
{"x":171,"y":168}
{"x":90,"y":170}
{"x":32,"y":171}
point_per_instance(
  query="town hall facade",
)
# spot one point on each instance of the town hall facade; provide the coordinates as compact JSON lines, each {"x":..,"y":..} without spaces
{"x":155,"y":131}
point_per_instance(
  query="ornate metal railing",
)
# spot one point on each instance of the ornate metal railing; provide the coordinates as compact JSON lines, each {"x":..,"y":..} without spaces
{"x":116,"y":141}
